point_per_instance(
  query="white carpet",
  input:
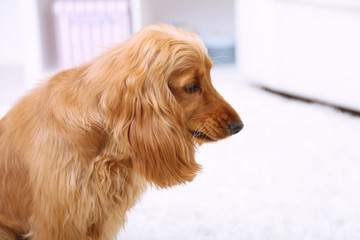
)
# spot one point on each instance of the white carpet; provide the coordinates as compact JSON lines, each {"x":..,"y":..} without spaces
{"x":292,"y":173}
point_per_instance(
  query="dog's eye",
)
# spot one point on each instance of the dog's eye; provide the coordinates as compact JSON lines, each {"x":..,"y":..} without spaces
{"x":194,"y":87}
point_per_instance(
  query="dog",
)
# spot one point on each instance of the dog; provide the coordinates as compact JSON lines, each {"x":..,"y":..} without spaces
{"x":78,"y":151}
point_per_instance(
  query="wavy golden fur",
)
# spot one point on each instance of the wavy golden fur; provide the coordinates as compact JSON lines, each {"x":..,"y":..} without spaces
{"x":77,"y":152}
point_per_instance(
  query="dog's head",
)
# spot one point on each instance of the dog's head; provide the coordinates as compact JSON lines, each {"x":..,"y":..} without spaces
{"x":159,"y":101}
{"x":207,"y":115}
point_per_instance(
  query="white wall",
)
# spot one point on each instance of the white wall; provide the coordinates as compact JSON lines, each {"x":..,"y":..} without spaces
{"x":11,"y":41}
{"x":12,"y":55}
{"x":27,"y":41}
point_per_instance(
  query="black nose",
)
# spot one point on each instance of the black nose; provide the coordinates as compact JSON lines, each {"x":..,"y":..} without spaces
{"x":236,"y":127}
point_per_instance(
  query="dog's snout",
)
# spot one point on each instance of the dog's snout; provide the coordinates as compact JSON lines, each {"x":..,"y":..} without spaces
{"x":236,"y":127}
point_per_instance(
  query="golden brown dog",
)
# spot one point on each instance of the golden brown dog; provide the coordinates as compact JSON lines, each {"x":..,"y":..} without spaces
{"x":77,"y":152}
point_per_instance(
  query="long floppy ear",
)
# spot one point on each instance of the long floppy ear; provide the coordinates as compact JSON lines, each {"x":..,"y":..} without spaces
{"x":163,"y":148}
{"x":143,"y":116}
{"x":152,"y":126}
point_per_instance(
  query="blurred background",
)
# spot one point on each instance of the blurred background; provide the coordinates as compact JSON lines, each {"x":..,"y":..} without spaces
{"x":305,"y":47}
{"x":293,"y":172}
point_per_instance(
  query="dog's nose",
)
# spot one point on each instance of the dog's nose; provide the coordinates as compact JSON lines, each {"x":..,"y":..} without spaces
{"x":236,"y":127}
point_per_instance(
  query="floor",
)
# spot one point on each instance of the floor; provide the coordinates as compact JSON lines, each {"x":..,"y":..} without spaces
{"x":291,"y":173}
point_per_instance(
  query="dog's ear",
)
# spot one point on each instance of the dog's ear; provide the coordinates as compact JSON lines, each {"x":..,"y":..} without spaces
{"x":163,"y":148}
{"x":151,"y":126}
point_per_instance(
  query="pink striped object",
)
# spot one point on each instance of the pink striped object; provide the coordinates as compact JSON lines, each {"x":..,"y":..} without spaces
{"x":84,"y":28}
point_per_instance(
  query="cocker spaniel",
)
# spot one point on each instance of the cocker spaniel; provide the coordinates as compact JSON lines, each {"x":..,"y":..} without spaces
{"x":77,"y":152}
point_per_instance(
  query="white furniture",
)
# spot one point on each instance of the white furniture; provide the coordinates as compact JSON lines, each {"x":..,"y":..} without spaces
{"x":306,"y":47}
{"x":84,"y":28}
